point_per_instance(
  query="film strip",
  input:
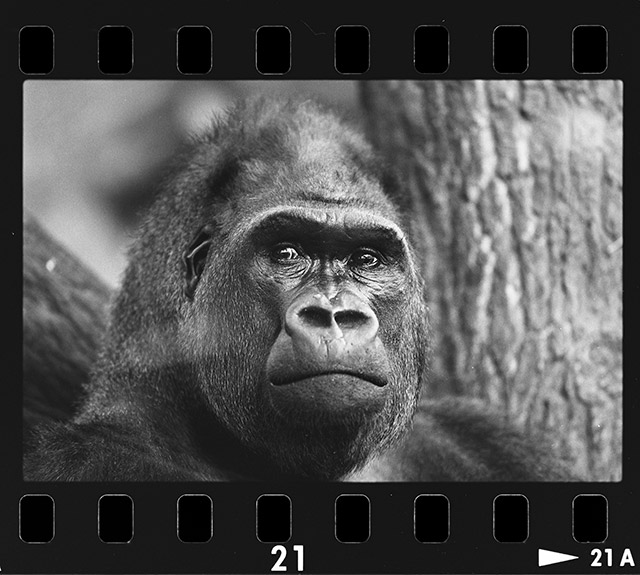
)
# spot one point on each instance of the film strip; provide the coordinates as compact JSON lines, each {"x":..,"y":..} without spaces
{"x":369,"y":322}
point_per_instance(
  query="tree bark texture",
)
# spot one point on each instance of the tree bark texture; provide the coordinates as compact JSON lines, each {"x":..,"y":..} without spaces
{"x":517,"y":186}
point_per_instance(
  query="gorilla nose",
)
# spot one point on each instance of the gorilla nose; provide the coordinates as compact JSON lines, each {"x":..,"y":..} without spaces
{"x":331,"y":326}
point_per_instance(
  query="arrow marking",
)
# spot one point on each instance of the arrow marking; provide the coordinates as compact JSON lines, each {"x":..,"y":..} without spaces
{"x":546,"y":557}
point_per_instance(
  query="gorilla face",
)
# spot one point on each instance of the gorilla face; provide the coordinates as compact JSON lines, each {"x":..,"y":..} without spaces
{"x":306,"y":313}
{"x":272,"y":304}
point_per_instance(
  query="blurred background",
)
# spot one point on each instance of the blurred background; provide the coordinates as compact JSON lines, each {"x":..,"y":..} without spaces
{"x":94,"y":150}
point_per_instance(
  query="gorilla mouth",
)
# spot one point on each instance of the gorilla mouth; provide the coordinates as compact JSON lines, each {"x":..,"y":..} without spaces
{"x":333,"y":374}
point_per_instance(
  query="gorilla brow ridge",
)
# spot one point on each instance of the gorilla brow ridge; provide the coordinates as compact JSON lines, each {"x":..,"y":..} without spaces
{"x":276,"y":219}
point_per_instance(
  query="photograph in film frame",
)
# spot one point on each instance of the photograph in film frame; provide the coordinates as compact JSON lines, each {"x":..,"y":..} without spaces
{"x":339,"y":281}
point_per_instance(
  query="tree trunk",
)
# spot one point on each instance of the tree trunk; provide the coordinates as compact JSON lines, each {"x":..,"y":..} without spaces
{"x":518,"y":185}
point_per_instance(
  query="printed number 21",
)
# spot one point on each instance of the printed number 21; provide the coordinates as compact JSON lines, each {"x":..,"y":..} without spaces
{"x":282,"y":550}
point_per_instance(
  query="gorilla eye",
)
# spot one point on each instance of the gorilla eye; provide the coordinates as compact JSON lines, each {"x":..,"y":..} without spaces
{"x":285,"y":253}
{"x":365,"y":259}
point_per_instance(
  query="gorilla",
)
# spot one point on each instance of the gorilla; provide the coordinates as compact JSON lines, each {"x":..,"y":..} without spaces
{"x":272,"y":324}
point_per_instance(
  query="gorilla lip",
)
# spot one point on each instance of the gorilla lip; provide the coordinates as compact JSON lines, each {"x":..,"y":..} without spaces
{"x":372,"y":379}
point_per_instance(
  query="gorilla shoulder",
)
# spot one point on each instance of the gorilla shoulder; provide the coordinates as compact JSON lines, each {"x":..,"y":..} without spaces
{"x":456,"y":439}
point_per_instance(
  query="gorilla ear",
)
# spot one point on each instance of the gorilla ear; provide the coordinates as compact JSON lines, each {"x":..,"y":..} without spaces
{"x":195,"y":258}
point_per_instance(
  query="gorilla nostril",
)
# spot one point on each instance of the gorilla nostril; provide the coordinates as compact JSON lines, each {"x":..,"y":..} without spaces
{"x":316,"y":316}
{"x":348,"y":318}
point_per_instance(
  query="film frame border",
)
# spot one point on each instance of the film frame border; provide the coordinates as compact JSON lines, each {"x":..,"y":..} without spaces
{"x":235,"y":548}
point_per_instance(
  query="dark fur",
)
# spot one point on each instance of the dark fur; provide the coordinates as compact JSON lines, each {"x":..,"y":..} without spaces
{"x":179,"y":391}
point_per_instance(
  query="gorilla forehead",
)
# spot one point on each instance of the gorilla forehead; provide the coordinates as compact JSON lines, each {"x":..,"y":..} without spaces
{"x":319,"y":195}
{"x":296,"y":151}
{"x":313,"y":184}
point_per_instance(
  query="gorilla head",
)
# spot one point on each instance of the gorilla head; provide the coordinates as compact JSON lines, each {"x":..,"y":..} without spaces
{"x":272,"y":299}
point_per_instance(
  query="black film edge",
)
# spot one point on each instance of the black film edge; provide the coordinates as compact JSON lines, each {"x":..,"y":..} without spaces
{"x":505,"y":138}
